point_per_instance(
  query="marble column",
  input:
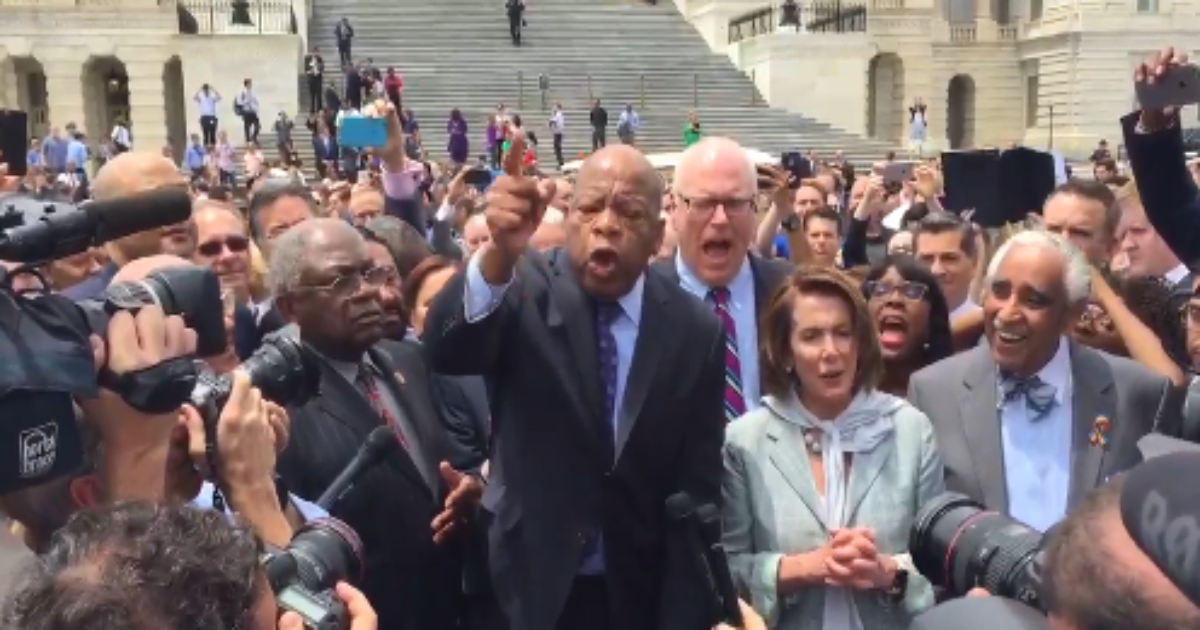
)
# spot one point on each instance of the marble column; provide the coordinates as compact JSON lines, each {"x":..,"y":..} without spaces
{"x":147,"y":105}
{"x":64,"y":92}
{"x":8,"y":82}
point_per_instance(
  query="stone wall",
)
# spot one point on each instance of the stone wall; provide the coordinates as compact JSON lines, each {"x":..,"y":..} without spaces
{"x":79,"y":44}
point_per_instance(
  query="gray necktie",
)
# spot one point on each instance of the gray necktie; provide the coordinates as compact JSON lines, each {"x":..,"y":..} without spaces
{"x":1038,"y":394}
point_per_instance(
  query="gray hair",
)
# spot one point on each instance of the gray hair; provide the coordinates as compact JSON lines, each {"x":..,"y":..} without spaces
{"x":1077,"y":274}
{"x":709,"y":147}
{"x":290,"y":252}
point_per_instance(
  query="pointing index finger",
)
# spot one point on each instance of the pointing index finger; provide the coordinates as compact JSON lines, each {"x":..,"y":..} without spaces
{"x":515,"y":158}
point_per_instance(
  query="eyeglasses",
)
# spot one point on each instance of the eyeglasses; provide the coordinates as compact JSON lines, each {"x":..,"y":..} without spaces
{"x":351,"y":283}
{"x":705,"y":206}
{"x":1189,"y":314}
{"x":914,"y":291}
{"x":234,"y":243}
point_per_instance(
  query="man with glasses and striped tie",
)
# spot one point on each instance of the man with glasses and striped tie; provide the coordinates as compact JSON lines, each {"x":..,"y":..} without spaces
{"x":714,"y":217}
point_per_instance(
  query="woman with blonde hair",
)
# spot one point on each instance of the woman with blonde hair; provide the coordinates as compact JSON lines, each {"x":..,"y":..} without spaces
{"x":822,"y":482}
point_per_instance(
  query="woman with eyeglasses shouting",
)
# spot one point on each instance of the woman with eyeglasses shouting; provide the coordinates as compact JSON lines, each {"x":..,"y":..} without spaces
{"x":911,"y":317}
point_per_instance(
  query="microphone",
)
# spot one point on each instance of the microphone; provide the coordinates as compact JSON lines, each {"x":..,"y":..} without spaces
{"x":710,"y":532}
{"x":380,"y":443}
{"x":50,"y":231}
{"x":681,"y":511}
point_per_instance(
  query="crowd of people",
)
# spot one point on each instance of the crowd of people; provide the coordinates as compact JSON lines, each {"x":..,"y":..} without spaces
{"x":820,"y":357}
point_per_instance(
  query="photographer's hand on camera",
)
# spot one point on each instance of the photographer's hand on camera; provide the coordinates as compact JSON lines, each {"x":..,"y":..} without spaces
{"x":136,"y":443}
{"x":247,"y":442}
{"x":362,"y":615}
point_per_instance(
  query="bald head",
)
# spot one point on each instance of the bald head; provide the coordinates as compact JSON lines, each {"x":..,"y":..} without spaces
{"x":135,"y":171}
{"x":139,"y":269}
{"x":623,"y":163}
{"x":715,"y":153}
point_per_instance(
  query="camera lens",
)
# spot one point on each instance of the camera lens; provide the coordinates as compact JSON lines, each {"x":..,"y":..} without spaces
{"x":285,"y":372}
{"x":326,"y":551}
{"x":958,"y":545}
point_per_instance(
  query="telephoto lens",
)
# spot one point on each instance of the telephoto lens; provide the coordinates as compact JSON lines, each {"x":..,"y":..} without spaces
{"x":284,"y":370}
{"x":958,"y":545}
{"x":191,"y":292}
{"x":324,"y":552}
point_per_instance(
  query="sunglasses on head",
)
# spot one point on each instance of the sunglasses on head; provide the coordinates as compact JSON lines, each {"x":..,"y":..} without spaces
{"x":235,"y":244}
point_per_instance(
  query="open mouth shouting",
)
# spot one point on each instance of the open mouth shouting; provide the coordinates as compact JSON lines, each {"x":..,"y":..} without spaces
{"x":717,"y":250}
{"x":893,"y":330}
{"x":602,"y":263}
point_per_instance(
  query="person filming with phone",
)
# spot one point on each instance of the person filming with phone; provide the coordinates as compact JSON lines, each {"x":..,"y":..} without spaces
{"x":1165,"y":83}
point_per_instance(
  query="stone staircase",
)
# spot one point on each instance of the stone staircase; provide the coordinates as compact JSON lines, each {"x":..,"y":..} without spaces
{"x":457,"y":54}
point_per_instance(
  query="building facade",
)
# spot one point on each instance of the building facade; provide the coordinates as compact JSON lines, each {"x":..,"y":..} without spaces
{"x":92,"y":63}
{"x":1043,"y":73}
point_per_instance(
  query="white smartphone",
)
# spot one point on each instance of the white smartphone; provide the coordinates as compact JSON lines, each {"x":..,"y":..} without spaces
{"x":1179,"y":86}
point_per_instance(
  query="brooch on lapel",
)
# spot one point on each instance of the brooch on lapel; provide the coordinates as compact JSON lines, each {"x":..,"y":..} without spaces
{"x":1100,"y":429}
{"x":399,"y":377}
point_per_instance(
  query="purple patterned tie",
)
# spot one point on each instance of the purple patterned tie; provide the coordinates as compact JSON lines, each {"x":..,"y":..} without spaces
{"x":735,"y":403}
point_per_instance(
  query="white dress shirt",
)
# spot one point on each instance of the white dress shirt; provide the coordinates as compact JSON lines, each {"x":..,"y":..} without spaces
{"x":307,"y":511}
{"x":745,"y":320}
{"x":483,"y":298}
{"x":1176,"y":275}
{"x":207,"y":103}
{"x":1037,"y":454}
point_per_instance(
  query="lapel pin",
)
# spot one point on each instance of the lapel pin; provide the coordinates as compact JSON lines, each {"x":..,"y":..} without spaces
{"x":399,"y":377}
{"x":1100,"y":429}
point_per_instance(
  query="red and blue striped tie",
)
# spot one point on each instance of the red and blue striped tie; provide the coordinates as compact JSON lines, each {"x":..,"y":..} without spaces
{"x":735,"y":402}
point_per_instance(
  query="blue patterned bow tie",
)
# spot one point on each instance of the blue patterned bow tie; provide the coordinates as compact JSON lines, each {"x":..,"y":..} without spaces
{"x":1038,"y":394}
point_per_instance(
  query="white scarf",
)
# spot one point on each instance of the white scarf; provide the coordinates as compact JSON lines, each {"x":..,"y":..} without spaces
{"x":863,"y":426}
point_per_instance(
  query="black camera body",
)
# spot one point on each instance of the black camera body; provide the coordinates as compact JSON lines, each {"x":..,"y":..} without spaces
{"x":287,"y":373}
{"x":958,"y":545}
{"x":303,"y":576}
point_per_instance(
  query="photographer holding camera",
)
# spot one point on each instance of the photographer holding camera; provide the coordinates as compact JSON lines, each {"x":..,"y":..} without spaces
{"x":1124,"y":558}
{"x":137,"y":566}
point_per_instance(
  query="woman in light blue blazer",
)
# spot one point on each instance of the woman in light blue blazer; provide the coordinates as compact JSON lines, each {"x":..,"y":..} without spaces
{"x":822,"y":483}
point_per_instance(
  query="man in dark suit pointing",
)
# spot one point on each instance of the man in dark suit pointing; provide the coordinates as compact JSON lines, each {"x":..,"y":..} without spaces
{"x":607,"y":387}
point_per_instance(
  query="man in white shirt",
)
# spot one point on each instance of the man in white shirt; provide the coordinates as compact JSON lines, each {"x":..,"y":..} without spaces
{"x":1145,"y":250}
{"x":206,"y":101}
{"x":246,"y":106}
{"x":947,"y":244}
{"x":557,"y":126}
{"x":121,"y":139}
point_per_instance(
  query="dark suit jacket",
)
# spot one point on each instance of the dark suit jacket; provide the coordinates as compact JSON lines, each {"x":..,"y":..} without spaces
{"x":463,"y":409}
{"x":1168,"y":193}
{"x":92,"y":287}
{"x":769,"y":275}
{"x":959,"y":396}
{"x":553,"y":480}
{"x":412,"y":583}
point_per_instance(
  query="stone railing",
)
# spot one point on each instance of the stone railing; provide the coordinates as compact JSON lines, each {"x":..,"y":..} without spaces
{"x":963,"y":33}
{"x":232,"y":17}
{"x":832,"y":16}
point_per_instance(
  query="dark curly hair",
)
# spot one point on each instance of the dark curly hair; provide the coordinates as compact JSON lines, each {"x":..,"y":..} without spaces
{"x":136,"y":566}
{"x":1152,"y":299}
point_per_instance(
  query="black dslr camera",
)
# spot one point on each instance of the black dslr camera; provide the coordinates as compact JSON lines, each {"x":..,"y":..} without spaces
{"x":45,"y":354}
{"x":323,"y":553}
{"x":958,"y":545}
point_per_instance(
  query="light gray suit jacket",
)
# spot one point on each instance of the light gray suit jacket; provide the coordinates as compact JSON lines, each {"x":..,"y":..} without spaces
{"x":959,"y":396}
{"x":773,"y":508}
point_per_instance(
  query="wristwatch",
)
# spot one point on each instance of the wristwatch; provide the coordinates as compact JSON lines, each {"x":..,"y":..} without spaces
{"x":896,"y":592}
{"x":790,"y":224}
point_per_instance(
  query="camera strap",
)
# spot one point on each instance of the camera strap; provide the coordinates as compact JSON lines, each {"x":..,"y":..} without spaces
{"x":159,"y":389}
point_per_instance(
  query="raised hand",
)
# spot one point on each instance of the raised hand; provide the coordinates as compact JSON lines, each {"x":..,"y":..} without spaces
{"x":515,"y":205}
{"x":1150,"y":71}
